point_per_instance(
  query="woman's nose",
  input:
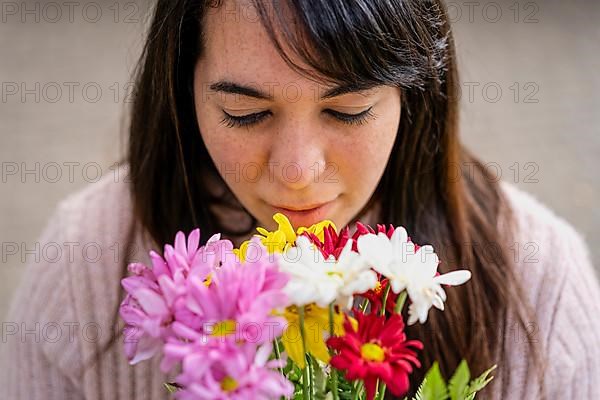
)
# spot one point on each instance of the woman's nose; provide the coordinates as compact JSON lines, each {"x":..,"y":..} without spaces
{"x":297,"y":155}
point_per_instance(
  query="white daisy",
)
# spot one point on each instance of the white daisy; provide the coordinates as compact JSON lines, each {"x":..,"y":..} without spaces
{"x":410,"y":270}
{"x":314,"y":279}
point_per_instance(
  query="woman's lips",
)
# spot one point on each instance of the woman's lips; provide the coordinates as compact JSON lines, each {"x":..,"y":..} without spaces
{"x":308,"y":216}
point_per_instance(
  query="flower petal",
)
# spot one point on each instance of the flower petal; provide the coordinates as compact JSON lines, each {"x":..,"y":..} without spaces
{"x":454,"y":278}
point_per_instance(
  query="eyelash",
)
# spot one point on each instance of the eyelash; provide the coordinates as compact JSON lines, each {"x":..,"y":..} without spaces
{"x":232,"y":121}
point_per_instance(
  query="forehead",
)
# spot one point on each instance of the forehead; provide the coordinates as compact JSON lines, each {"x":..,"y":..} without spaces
{"x":236,"y":45}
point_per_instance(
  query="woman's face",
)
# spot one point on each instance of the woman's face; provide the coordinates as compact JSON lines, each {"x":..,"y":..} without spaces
{"x":281,"y":142}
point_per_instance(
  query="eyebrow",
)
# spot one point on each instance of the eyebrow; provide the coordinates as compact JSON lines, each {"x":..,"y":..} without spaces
{"x":249,"y":91}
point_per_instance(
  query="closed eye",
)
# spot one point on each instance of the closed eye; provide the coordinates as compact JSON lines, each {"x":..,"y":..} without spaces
{"x":353,"y":119}
{"x":232,"y":121}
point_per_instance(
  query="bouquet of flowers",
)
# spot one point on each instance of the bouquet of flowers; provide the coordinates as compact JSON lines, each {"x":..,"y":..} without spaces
{"x":305,"y":313}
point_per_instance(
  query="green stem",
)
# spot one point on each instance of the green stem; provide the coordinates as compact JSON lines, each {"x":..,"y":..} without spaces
{"x":381,"y":394}
{"x":277,"y":354}
{"x":334,"y":379}
{"x":400,"y":302}
{"x":381,"y":387}
{"x":364,"y":305}
{"x":305,"y":389}
{"x":358,"y":389}
{"x":385,"y":296}
{"x":311,"y":386}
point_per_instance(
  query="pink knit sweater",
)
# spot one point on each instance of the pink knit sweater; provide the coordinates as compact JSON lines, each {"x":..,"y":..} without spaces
{"x":64,"y":306}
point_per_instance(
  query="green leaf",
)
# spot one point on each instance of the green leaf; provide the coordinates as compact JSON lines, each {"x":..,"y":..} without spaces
{"x":434,"y":386}
{"x":419,"y":394}
{"x":479,"y":383}
{"x":319,"y":380}
{"x":459,"y":382}
{"x":345,"y":388}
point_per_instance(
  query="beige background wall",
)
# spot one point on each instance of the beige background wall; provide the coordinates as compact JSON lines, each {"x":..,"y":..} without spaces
{"x":545,"y":125}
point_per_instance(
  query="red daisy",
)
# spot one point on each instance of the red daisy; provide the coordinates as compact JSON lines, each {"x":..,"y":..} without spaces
{"x":334,"y":242}
{"x":377,"y":350}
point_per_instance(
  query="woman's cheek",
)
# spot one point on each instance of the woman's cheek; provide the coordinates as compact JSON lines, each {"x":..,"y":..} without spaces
{"x":227,"y":151}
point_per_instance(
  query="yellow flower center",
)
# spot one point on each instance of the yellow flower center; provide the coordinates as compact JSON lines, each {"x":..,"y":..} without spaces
{"x":377,"y":288}
{"x":334,"y":273}
{"x":207,"y":281}
{"x":224,"y":328}
{"x":372,"y":352}
{"x":228,"y":384}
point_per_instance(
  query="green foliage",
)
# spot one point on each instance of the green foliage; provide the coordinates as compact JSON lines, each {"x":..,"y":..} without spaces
{"x":346,"y":388}
{"x":319,"y":380}
{"x":419,"y":395}
{"x":459,"y":382}
{"x":460,"y":386}
{"x":435,"y":386}
{"x":294,"y":374}
{"x":479,"y":383}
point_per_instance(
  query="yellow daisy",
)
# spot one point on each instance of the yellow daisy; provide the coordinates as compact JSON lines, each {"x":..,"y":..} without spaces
{"x":316,"y":323}
{"x":284,"y":236}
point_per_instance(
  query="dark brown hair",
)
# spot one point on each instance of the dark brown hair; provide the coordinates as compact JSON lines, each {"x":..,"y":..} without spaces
{"x":404,"y":43}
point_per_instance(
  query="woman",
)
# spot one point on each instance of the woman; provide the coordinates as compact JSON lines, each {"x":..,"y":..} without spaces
{"x":246,"y":108}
